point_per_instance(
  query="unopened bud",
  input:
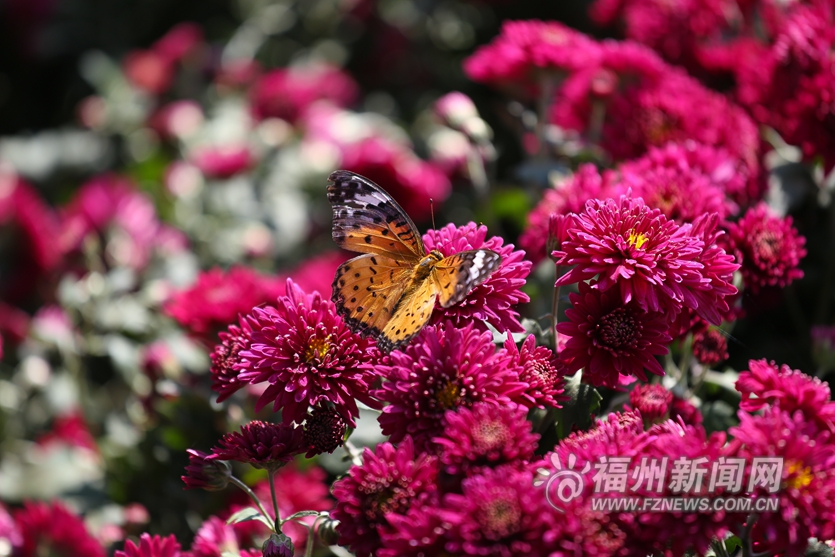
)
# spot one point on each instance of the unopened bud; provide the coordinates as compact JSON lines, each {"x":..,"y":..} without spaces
{"x":278,"y":545}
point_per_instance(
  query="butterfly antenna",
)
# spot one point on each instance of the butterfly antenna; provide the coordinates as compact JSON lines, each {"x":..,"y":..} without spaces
{"x":432,"y":212}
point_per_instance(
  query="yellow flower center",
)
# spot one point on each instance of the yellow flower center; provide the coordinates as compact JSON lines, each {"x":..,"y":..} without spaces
{"x":448,"y":395}
{"x":637,"y":240}
{"x":317,"y":347}
{"x":799,"y":476}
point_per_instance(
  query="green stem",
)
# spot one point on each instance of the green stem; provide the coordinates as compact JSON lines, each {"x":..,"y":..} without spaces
{"x":353,"y":452}
{"x":547,"y":84}
{"x":251,"y":494}
{"x":311,"y":540}
{"x":271,"y":476}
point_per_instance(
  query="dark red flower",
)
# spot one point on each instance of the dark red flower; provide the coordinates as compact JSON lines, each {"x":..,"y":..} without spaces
{"x":324,"y":430}
{"x":203,"y":472}
{"x":263,"y":445}
{"x":710,"y":347}
{"x":226,"y":356}
{"x":652,"y":401}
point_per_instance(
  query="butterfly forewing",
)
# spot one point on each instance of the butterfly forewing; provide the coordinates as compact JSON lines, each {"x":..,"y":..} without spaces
{"x":366,"y":291}
{"x":455,"y":276}
{"x":366,"y":219}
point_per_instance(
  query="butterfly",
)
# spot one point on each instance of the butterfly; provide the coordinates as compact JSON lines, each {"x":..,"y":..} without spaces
{"x":389,"y":292}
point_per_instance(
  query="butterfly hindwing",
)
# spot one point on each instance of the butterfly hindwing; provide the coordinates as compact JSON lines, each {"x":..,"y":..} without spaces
{"x":456,"y":275}
{"x":367,"y":289}
{"x":366,"y":219}
{"x":410,"y":315}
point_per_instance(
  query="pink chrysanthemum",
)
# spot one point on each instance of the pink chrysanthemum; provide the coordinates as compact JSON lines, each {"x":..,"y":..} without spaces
{"x":657,"y":264}
{"x":540,"y":369}
{"x":308,"y":356}
{"x":567,"y":196}
{"x":682,"y":410}
{"x":151,"y":546}
{"x":485,"y":437}
{"x":609,"y":338}
{"x":652,"y":401}
{"x":225,"y":357}
{"x":420,"y":532}
{"x":710,"y":347}
{"x":263,"y":445}
{"x":9,"y":531}
{"x":525,"y":51}
{"x":765,"y":384}
{"x":389,"y":481}
{"x":218,"y":298}
{"x":50,"y":529}
{"x":493,"y":300}
{"x":807,"y":486}
{"x":215,"y":538}
{"x":204,"y":472}
{"x":769,"y":248}
{"x":498,"y":513}
{"x":444,"y":368}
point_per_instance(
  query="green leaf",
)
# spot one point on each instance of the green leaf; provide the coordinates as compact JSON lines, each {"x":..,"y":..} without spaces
{"x":247,"y":514}
{"x":301,"y":514}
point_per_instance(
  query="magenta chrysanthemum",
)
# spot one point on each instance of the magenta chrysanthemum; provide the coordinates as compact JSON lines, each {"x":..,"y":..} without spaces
{"x":710,"y":347}
{"x":567,"y":196}
{"x":389,"y":481}
{"x":225,"y":357}
{"x":50,"y":529}
{"x":308,"y":356}
{"x":807,"y":486}
{"x":494,"y":299}
{"x":683,"y":410}
{"x":617,"y":434}
{"x":652,"y":401}
{"x":203,"y":472}
{"x":498,"y":513}
{"x":215,"y":538}
{"x":263,"y":445}
{"x":540,"y":369}
{"x":485,"y":436}
{"x":151,"y":546}
{"x":769,"y":248}
{"x":657,"y":264}
{"x":608,"y":338}
{"x":418,"y":533}
{"x":765,"y":384}
{"x":444,"y":368}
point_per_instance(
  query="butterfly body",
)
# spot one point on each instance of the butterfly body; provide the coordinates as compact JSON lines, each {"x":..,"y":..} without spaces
{"x":390,"y":291}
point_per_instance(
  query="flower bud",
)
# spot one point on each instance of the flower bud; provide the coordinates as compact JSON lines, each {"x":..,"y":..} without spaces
{"x":327,"y":531}
{"x":206,"y":473}
{"x":278,"y":545}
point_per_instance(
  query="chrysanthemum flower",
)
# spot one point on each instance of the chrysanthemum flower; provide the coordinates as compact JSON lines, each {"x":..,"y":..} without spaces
{"x":807,"y":486}
{"x":607,"y":337}
{"x":225,"y":358}
{"x":214,"y":539}
{"x":710,"y":347}
{"x":263,"y":445}
{"x":204,"y":472}
{"x":151,"y":546}
{"x":9,"y":532}
{"x":308,"y":356}
{"x":50,"y":529}
{"x":652,"y":401}
{"x":418,"y":533}
{"x":568,"y":195}
{"x":540,"y":369}
{"x":765,"y":384}
{"x":617,"y":434}
{"x":444,"y":368}
{"x":324,"y":430}
{"x":218,"y":298}
{"x":389,"y":481}
{"x":769,"y":248}
{"x":682,"y":410}
{"x":485,"y":436}
{"x":498,"y":513}
{"x":661,"y":266}
{"x":494,"y":299}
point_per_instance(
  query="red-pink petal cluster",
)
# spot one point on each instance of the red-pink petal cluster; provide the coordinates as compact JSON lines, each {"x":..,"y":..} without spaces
{"x":540,"y":369}
{"x":652,"y":401}
{"x":151,"y":546}
{"x":263,"y":445}
{"x":51,"y":529}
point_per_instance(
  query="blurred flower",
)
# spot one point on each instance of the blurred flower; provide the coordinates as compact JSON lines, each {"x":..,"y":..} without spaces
{"x":51,"y":529}
{"x":616,"y":434}
{"x":31,"y":251}
{"x":286,"y":93}
{"x":389,"y":481}
{"x":215,"y":538}
{"x":807,"y":486}
{"x":491,"y":301}
{"x":484,"y":436}
{"x":787,"y":389}
{"x":454,"y":109}
{"x":149,"y":546}
{"x":568,"y":195}
{"x":444,"y":368}
{"x":316,"y":273}
{"x":177,"y":120}
{"x":308,"y":356}
{"x":263,"y":445}
{"x":218,"y":297}
{"x":9,"y":532}
{"x":149,"y":71}
{"x":710,"y":347}
{"x":608,"y":338}
{"x":70,"y":429}
{"x":498,"y":513}
{"x":181,"y":40}
{"x":769,"y":248}
{"x":527,"y":51}
{"x":226,"y":356}
{"x":653,"y":262}
{"x":324,"y":430}
{"x":205,"y":473}
{"x":540,"y":369}
{"x":417,"y":533}
{"x":684,"y":411}
{"x":652,"y":401}
{"x":223,"y":162}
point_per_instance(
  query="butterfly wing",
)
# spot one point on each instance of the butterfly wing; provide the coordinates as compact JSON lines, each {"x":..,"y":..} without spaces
{"x":366,"y":219}
{"x":366,"y":291}
{"x":410,"y":315}
{"x":455,"y":276}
